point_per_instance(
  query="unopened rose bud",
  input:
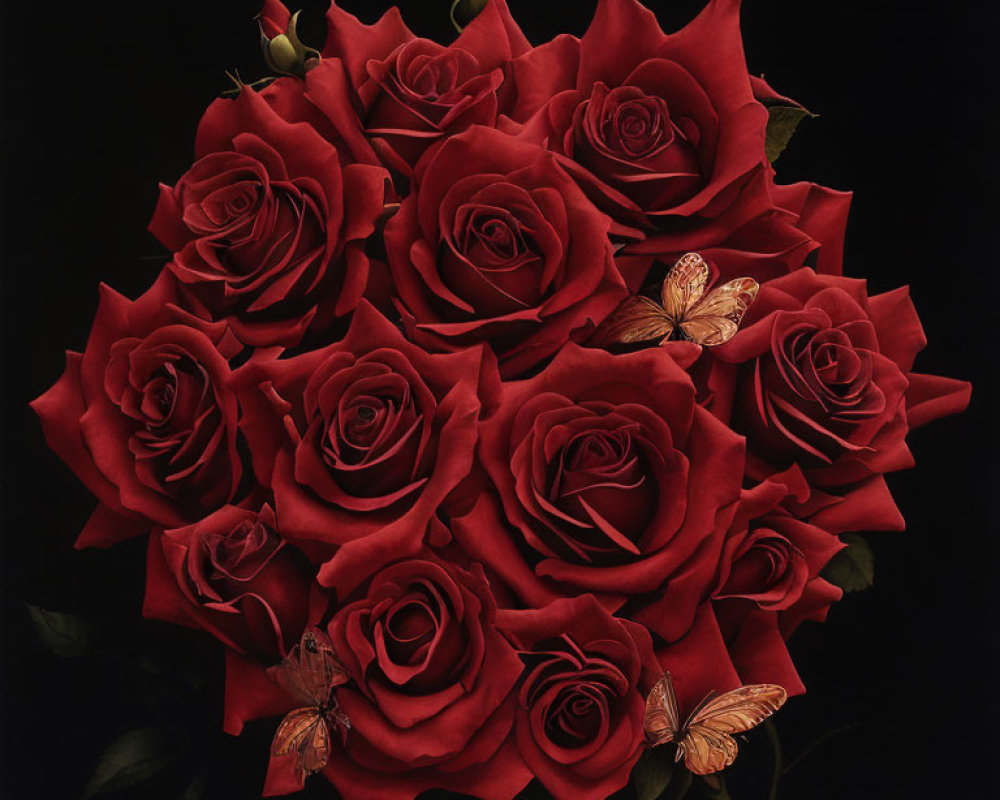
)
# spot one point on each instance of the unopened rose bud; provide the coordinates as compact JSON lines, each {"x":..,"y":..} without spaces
{"x":285,"y":53}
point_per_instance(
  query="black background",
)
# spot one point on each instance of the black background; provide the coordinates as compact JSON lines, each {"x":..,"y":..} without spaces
{"x":101,"y":101}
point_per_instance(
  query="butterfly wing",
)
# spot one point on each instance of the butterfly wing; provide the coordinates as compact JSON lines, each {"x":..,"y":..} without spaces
{"x":304,"y":731}
{"x":717,"y":317}
{"x":741,"y":709}
{"x":637,"y":319}
{"x":319,"y":665}
{"x":708,"y":744}
{"x":706,"y":751}
{"x":312,"y":669}
{"x":662,"y":719}
{"x":684,"y":285}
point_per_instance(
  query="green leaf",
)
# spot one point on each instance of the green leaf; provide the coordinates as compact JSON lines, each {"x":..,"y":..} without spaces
{"x":781,"y":124}
{"x":652,"y":773}
{"x":65,"y":635}
{"x":464,"y":11}
{"x":133,"y":758}
{"x":853,"y":568}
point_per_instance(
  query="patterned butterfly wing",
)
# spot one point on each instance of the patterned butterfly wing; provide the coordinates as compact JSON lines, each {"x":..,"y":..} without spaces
{"x":637,"y":319}
{"x":305,"y":732}
{"x":662,"y":719}
{"x":312,"y":669}
{"x":708,"y":744}
{"x":717,"y":317}
{"x":706,"y":751}
{"x":684,"y":286}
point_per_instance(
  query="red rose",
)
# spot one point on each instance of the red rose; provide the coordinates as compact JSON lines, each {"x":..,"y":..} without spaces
{"x":499,"y":245}
{"x":431,"y":703}
{"x":616,"y":481}
{"x":361,"y":441}
{"x":767,"y":584}
{"x":146,"y":417}
{"x":410,"y":93}
{"x":661,"y":127}
{"x":769,"y":580}
{"x":820,"y":375}
{"x":232,"y":575}
{"x":806,"y":225}
{"x":665,"y":132}
{"x":268,"y":226}
{"x":583,"y":696}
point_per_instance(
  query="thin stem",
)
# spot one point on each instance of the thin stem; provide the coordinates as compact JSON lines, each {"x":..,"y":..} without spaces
{"x":772,"y":734}
{"x":451,"y":13}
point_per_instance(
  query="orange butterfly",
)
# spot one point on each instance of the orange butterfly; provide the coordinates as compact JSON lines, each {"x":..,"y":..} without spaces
{"x":704,"y":741}
{"x":310,"y":673}
{"x":684,"y":307}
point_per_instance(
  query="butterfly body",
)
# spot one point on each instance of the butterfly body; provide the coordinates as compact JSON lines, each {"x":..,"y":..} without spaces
{"x":684,"y":311}
{"x":705,"y":739}
{"x":310,"y":673}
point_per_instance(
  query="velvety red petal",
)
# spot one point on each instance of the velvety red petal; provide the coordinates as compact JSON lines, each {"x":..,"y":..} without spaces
{"x":59,"y":411}
{"x":930,"y":397}
{"x":355,"y":43}
{"x":493,"y":37}
{"x":107,"y":527}
{"x":250,"y":694}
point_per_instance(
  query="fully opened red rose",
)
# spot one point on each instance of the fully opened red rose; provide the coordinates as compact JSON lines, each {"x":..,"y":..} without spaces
{"x":667,"y":133}
{"x":821,"y":375}
{"x":362,"y":441}
{"x":269,"y":226}
{"x":146,"y":416}
{"x":661,"y":126}
{"x":498,"y":245}
{"x":582,"y":697}
{"x":411,"y":93}
{"x":434,"y":704}
{"x":615,"y":483}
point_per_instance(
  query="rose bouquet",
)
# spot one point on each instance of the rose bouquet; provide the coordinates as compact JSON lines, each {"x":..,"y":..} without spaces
{"x":496,"y":405}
